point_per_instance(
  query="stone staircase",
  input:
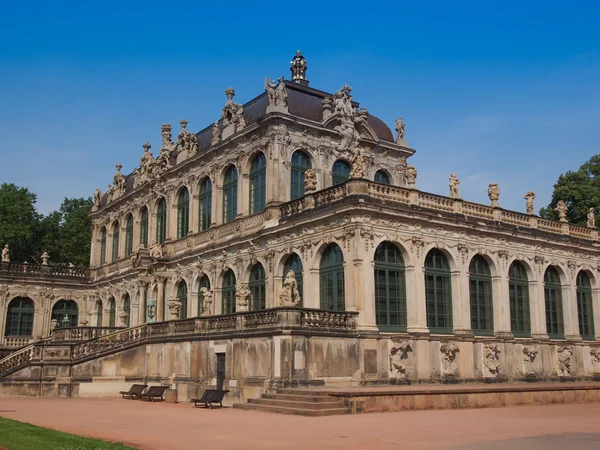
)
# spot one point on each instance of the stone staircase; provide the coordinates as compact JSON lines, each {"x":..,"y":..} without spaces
{"x":301,"y":402}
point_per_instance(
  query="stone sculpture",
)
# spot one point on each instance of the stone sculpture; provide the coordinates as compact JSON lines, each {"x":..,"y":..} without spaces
{"x":118,"y":180}
{"x":187,"y":141}
{"x":454,"y":182}
{"x":591,"y":218}
{"x":398,"y":360}
{"x":156,"y":252}
{"x":310,"y":180}
{"x":529,"y":197}
{"x":207,"y":298}
{"x":491,"y":358}
{"x":411,"y":176}
{"x":494,"y":194}
{"x":449,"y":351}
{"x":123,"y":318}
{"x":564,"y":361}
{"x":298,"y":67}
{"x":174,"y":305}
{"x":45,"y":258}
{"x":5,"y":253}
{"x":529,"y":354}
{"x":216,"y":137}
{"x":277,"y":93}
{"x":151,"y":310}
{"x":400,"y":127}
{"x":233,"y":113}
{"x":242,"y":294}
{"x":358,"y":164}
{"x":349,"y":136}
{"x":97,"y":198}
{"x":562,"y":209}
{"x":289,"y":295}
{"x":595,"y":353}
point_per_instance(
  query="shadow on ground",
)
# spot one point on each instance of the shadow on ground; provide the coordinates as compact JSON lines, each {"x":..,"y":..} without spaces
{"x":571,"y":441}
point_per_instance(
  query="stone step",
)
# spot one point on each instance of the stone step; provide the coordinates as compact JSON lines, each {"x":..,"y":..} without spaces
{"x":301,"y":391}
{"x":298,"y":397}
{"x":296,"y":404}
{"x":296,"y":411}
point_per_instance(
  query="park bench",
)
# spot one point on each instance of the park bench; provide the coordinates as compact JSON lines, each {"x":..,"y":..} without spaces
{"x":209,"y":397}
{"x":135,"y":391}
{"x":154,"y":393}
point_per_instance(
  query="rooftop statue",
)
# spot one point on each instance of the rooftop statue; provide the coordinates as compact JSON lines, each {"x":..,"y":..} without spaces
{"x":233,"y":113}
{"x":97,"y":198}
{"x":529,"y":197}
{"x":119,"y":180}
{"x":298,"y":67}
{"x":411,"y":176}
{"x":277,"y":93}
{"x":454,"y":182}
{"x":494,"y":194}
{"x":400,"y":126}
{"x":562,"y":209}
{"x":591,"y":218}
{"x":5,"y":254}
{"x":216,"y":137}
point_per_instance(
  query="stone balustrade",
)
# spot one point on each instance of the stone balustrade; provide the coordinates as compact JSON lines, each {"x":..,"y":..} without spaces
{"x":17,"y":359}
{"x":17,"y":341}
{"x":41,"y":270}
{"x":72,"y":334}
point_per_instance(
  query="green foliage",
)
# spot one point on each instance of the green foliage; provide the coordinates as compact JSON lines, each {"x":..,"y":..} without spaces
{"x":580,"y":190}
{"x":65,"y":234}
{"x":23,"y":436}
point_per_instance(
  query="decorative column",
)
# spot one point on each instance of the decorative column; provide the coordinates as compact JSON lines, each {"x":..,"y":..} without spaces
{"x":416,"y":308}
{"x":595,"y":310}
{"x":537,"y":302}
{"x":500,"y":298}
{"x":461,"y":306}
{"x":243,"y":200}
{"x":94,"y":259}
{"x":569,"y":304}
{"x":160,"y":298}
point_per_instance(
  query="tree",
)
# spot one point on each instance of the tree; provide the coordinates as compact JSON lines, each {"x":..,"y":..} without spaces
{"x":75,"y":231}
{"x":580,"y":190}
{"x":19,"y":222}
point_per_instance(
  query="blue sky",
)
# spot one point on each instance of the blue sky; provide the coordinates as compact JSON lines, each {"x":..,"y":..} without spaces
{"x":505,"y":92}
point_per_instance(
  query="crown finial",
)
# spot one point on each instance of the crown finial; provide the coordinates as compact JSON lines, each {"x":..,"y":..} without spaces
{"x":298,"y":67}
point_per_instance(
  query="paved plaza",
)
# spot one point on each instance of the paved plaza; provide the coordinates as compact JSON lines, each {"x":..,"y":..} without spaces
{"x":162,"y":426}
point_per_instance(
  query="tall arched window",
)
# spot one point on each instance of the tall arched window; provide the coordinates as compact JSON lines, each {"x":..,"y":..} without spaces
{"x":480,"y":292}
{"x":340,"y":172}
{"x":438,"y":292}
{"x":99,"y":311}
{"x":585,"y":309}
{"x":183,"y":213}
{"x":182,"y":297}
{"x":115,"y":242}
{"x":205,"y":205}
{"x":65,"y":312}
{"x":382,"y":177}
{"x":553,"y":298}
{"x":103,"y":246}
{"x":144,"y":227}
{"x":228,"y":293}
{"x":127,"y":310}
{"x":128,"y":236}
{"x":258,"y":183}
{"x":204,"y":283}
{"x":390,"y":288}
{"x":300,"y":162}
{"x":518,"y":292}
{"x":230,"y":195}
{"x":19,"y":319}
{"x":112,"y":312}
{"x":257,"y":287}
{"x":294,"y":264}
{"x":332,"y":279}
{"x":161,"y":221}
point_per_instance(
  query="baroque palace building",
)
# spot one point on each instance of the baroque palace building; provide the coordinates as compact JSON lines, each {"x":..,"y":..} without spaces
{"x":288,"y":243}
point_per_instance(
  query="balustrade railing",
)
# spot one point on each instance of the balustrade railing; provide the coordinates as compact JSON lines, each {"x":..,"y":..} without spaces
{"x":16,"y":359}
{"x":42,"y":269}
{"x":80,"y":333}
{"x":17,"y":341}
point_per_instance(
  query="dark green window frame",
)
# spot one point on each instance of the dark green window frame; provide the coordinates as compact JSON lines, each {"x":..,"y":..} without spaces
{"x":103,"y":246}
{"x":144,"y":227}
{"x":481,"y":299}
{"x":300,"y":163}
{"x":19,"y":317}
{"x":161,"y":221}
{"x":340,"y":173}
{"x":294,"y":263}
{"x":258,"y":183}
{"x":390,"y":288}
{"x":257,"y":288}
{"x":382,"y":177}
{"x":438,"y":292}
{"x":115,"y":242}
{"x":182,"y":297}
{"x":205,"y":205}
{"x":183,"y":213}
{"x":553,"y":302}
{"x":230,"y":187}
{"x":585,"y":309}
{"x":128,"y":236}
{"x":204,"y":283}
{"x":518,"y":292}
{"x":68,"y":308}
{"x":112,"y":313}
{"x":331,"y":275}
{"x":228,"y":293}
{"x":99,"y":312}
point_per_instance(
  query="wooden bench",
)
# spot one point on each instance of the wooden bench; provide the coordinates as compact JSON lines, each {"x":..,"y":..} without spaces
{"x":154,"y":393}
{"x":209,"y":397}
{"x":135,"y":391}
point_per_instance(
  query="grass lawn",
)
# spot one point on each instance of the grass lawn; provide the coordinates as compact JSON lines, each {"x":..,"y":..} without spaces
{"x":22,"y":436}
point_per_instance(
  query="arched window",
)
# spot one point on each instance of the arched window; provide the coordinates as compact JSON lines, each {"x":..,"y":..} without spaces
{"x":144,"y":227}
{"x":300,"y":162}
{"x":230,"y":195}
{"x":112,"y":313}
{"x":205,"y":204}
{"x":128,"y":236}
{"x":103,"y":246}
{"x":19,"y":319}
{"x":553,"y":298}
{"x":390,"y":288}
{"x":127,"y":310}
{"x":182,"y":297}
{"x":161,"y":221}
{"x":115,"y":242}
{"x":332,"y":279}
{"x":183,"y":213}
{"x":340,"y":172}
{"x":204,"y":283}
{"x":257,"y":287}
{"x":518,"y":292}
{"x":294,"y":263}
{"x":65,"y":312}
{"x":480,"y":292}
{"x":584,"y":306}
{"x":99,"y":311}
{"x":258,"y":183}
{"x":228,"y":293}
{"x":382,"y":177}
{"x":438,"y":292}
